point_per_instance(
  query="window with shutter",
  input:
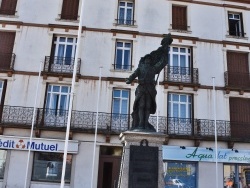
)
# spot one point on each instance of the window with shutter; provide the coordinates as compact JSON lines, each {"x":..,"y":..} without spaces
{"x":239,"y":116}
{"x":179,"y":17}
{"x":8,"y":7}
{"x":70,"y":9}
{"x":238,"y":69}
{"x":6,"y":47}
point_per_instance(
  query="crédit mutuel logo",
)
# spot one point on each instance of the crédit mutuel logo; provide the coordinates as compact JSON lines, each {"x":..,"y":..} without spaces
{"x":22,"y":144}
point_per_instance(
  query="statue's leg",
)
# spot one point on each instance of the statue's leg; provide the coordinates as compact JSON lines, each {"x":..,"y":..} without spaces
{"x":141,"y":111}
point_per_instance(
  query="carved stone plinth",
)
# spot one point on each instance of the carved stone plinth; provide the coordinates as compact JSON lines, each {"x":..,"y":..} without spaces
{"x":136,"y":170}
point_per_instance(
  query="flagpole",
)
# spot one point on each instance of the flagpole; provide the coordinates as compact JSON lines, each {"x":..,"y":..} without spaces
{"x":215,"y":133}
{"x":32,"y":125}
{"x":96,"y":124}
{"x":78,"y":45}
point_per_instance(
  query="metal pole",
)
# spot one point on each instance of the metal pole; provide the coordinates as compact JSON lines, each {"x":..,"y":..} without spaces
{"x":215,"y":134}
{"x":157,"y":108}
{"x":96,"y":124}
{"x":78,"y":45}
{"x":32,"y":125}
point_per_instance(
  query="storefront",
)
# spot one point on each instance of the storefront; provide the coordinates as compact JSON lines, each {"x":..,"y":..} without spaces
{"x":45,"y":162}
{"x":181,"y":166}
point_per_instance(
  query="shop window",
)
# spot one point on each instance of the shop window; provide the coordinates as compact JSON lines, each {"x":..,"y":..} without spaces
{"x":179,"y":69}
{"x":125,"y":13}
{"x":48,"y":167}
{"x":123,"y":55}
{"x":235,"y":24}
{"x":236,"y":175}
{"x":8,"y":7}
{"x":57,"y":104}
{"x":3,"y":154}
{"x":179,"y":113}
{"x":120,"y":109}
{"x":180,"y":174}
{"x":179,"y":17}
{"x":70,"y":9}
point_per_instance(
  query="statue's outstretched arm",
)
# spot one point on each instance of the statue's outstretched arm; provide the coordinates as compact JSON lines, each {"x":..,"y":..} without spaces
{"x":132,"y":76}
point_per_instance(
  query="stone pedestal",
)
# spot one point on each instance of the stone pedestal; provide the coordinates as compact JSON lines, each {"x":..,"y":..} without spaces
{"x":130,"y":138}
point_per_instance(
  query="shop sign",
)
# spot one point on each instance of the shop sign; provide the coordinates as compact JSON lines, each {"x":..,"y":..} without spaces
{"x":37,"y":144}
{"x":205,"y":154}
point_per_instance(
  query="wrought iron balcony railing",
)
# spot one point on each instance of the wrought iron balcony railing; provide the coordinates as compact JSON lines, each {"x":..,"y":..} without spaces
{"x":181,"y":74}
{"x":122,"y":67}
{"x":57,"y":64}
{"x":237,"y":79}
{"x":86,"y":121}
{"x":236,"y":33}
{"x":7,"y":61}
{"x":125,"y":22}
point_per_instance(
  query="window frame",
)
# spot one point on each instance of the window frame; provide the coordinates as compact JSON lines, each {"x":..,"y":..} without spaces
{"x":241,"y":32}
{"x":123,"y":49}
{"x":59,"y":94}
{"x":57,"y":43}
{"x":120,"y":98}
{"x":76,"y":17}
{"x":178,"y":28}
{"x":1,"y":90}
{"x":188,"y":105}
{"x":124,"y":21}
{"x":14,"y":11}
{"x":51,"y":162}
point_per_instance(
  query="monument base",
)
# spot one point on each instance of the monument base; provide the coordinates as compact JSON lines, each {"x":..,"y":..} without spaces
{"x":142,"y":163}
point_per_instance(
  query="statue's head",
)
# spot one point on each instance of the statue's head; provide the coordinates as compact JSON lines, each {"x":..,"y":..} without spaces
{"x":167,"y":40}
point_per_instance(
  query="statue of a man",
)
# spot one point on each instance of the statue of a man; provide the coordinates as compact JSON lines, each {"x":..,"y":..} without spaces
{"x":144,"y":104}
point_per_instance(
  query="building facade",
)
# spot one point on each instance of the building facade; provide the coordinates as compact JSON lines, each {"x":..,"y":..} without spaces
{"x":210,"y":40}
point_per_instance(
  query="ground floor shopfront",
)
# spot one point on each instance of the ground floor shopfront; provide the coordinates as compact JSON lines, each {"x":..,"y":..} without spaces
{"x":196,"y":167}
{"x":192,"y":167}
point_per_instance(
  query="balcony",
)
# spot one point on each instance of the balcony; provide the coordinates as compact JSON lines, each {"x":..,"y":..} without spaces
{"x":7,"y":61}
{"x":184,"y":75}
{"x":84,"y":121}
{"x":61,"y":65}
{"x":237,"y":80}
{"x":125,"y":22}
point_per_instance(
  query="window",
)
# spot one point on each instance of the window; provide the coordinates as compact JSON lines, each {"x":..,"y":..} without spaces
{"x":8,"y":7}
{"x":123,"y":55}
{"x":180,"y":174}
{"x":63,"y":54}
{"x":179,"y":17}
{"x":57,"y":103}
{"x":70,"y":9}
{"x":179,"y":113}
{"x":179,"y":69}
{"x":120,"y":101}
{"x":125,"y":13}
{"x":120,"y":109}
{"x":48,"y":167}
{"x":239,"y":117}
{"x":6,"y":47}
{"x":3,"y":156}
{"x":238,"y":69}
{"x":235,"y":24}
{"x":236,"y":175}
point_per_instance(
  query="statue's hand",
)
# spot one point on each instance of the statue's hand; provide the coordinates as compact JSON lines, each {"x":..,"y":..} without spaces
{"x":128,"y":81}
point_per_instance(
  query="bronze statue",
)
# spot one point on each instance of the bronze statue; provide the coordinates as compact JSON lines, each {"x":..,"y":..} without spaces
{"x":144,"y":104}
